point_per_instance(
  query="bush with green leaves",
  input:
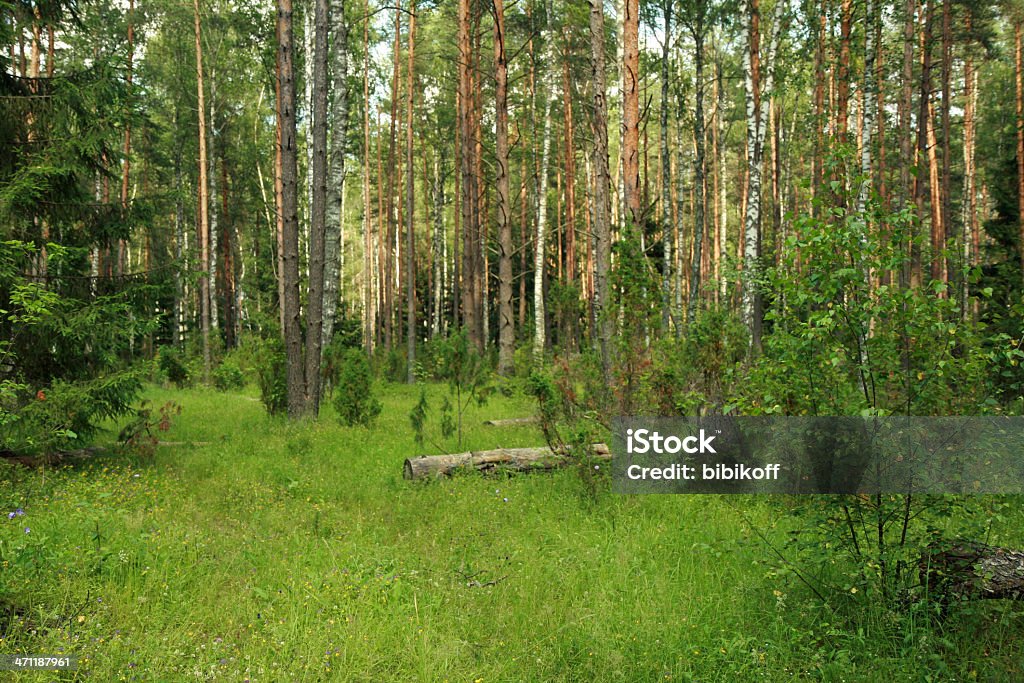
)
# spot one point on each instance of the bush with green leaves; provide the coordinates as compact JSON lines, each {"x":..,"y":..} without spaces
{"x":846,"y":334}
{"x":228,"y":376}
{"x":61,"y":367}
{"x":272,"y":375}
{"x":354,"y":399}
{"x":172,"y":366}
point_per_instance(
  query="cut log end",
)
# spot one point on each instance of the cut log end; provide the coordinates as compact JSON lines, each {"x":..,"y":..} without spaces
{"x":967,"y":570}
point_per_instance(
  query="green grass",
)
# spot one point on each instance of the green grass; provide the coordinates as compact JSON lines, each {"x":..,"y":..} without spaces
{"x":284,"y":552}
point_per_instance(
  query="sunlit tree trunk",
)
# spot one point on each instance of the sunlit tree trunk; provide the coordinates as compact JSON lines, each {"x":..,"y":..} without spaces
{"x":204,"y":224}
{"x":631,"y":111}
{"x":698,"y":163}
{"x":667,"y":209}
{"x":506,"y":328}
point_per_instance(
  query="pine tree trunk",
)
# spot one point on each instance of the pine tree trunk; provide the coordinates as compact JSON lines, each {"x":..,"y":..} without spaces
{"x":296,"y":383}
{"x":602,"y":182}
{"x":506,"y":328}
{"x":1019,"y":78}
{"x":667,"y":209}
{"x":204,"y":224}
{"x":631,"y":112}
{"x":698,"y":165}
{"x":467,"y":177}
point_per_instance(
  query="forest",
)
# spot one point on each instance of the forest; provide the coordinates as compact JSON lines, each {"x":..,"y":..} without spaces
{"x":254,"y":257}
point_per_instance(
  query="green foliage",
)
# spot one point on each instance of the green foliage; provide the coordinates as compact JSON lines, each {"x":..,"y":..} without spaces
{"x":61,"y":372}
{"x":228,"y":376}
{"x":66,"y":415}
{"x":272,"y":375}
{"x":418,"y":417}
{"x":172,"y":366}
{"x":354,"y":400}
{"x":139,"y":436}
{"x":838,"y":345}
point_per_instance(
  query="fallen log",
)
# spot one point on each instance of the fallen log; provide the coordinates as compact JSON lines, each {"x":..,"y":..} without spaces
{"x":51,"y":459}
{"x":968,"y":570}
{"x":511,"y":459}
{"x":511,"y":422}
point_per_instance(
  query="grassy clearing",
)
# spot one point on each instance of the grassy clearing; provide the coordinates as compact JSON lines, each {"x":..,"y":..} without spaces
{"x":297,"y":552}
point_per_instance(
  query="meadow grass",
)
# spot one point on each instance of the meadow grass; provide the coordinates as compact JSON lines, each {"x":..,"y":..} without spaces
{"x":296,"y":552}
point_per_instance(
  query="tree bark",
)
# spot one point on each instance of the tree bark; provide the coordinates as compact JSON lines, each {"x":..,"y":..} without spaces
{"x":204,"y":221}
{"x":369,"y":295}
{"x":969,"y":570}
{"x":1019,"y":79}
{"x":334,"y":243}
{"x":667,"y":209}
{"x":468,"y":186}
{"x":698,"y":163}
{"x":410,"y":204}
{"x":631,"y":111}
{"x":296,"y":384}
{"x":506,"y":459}
{"x":506,"y":325}
{"x":602,"y":183}
{"x":318,"y":211}
{"x":540,"y":240}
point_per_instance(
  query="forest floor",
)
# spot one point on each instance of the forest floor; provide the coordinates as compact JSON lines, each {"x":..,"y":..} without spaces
{"x":280,"y":552}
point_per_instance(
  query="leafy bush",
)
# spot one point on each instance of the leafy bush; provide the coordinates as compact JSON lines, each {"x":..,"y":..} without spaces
{"x":355,"y":402}
{"x":272,"y":376}
{"x":228,"y":376}
{"x":61,"y":367}
{"x":173,"y":367}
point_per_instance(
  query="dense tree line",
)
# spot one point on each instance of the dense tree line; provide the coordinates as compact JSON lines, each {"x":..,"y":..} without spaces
{"x":408,"y":169}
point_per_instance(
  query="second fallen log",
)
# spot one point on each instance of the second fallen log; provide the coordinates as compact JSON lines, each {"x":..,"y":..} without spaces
{"x":512,"y":459}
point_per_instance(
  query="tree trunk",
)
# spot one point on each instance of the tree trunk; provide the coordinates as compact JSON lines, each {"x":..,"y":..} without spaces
{"x":369,"y":295}
{"x":969,"y":570}
{"x":296,"y":383}
{"x":969,"y":205}
{"x":869,"y":110}
{"x":318,"y":211}
{"x":1019,"y":77}
{"x":204,"y":224}
{"x":467,"y":172}
{"x":667,"y":209}
{"x":278,"y":183}
{"x":698,"y":164}
{"x":391,"y":235}
{"x":602,"y":182}
{"x":410,"y":203}
{"x":506,"y":325}
{"x":540,"y":241}
{"x":631,"y":111}
{"x":334,"y":242}
{"x":946,"y":180}
{"x":503,"y":459}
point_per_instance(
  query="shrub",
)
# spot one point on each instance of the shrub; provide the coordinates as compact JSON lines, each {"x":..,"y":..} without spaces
{"x":173,"y":367}
{"x":271,"y":374}
{"x":355,"y":402}
{"x":228,"y":376}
